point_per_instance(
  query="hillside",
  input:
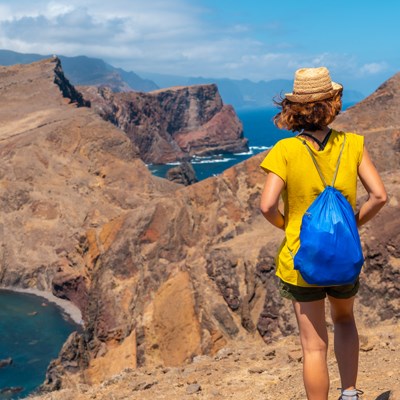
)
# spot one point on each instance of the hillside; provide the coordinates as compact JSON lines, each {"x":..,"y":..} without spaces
{"x":377,"y":118}
{"x":163,"y":274}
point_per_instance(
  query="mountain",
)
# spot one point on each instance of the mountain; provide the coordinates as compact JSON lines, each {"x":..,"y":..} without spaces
{"x":176,"y":285}
{"x":165,"y":276}
{"x":243,"y":93}
{"x":82,"y":70}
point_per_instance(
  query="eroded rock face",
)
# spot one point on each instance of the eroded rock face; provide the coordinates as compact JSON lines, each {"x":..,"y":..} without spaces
{"x":68,"y":180}
{"x":172,"y":124}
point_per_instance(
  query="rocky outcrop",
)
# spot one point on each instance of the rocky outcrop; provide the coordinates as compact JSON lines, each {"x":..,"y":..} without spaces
{"x":172,"y":124}
{"x":162,"y":273}
{"x":183,"y":174}
{"x":6,"y":362}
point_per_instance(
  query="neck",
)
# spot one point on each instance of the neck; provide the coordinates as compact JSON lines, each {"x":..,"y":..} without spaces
{"x":319,"y":134}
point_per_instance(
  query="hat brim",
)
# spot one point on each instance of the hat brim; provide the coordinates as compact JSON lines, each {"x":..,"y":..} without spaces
{"x":310,"y":97}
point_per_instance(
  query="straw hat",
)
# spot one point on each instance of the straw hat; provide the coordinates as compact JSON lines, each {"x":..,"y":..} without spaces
{"x":312,"y":84}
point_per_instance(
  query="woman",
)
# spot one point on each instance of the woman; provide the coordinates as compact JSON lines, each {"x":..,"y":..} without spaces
{"x":309,"y":109}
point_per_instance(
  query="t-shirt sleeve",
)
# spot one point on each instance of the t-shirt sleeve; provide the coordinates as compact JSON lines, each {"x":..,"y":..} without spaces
{"x":360,"y":145}
{"x":276,"y":161}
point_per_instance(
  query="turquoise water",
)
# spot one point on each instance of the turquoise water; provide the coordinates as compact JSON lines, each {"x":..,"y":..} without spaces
{"x":32,"y":331}
{"x":258,"y":128}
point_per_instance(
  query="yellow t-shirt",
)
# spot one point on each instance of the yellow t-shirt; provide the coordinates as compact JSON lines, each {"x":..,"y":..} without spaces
{"x":292,"y":162}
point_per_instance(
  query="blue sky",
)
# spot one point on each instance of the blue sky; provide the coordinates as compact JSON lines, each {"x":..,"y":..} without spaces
{"x":258,"y":40}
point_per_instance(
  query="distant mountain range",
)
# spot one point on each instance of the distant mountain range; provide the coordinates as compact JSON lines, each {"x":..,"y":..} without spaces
{"x":82,"y":70}
{"x":243,"y":93}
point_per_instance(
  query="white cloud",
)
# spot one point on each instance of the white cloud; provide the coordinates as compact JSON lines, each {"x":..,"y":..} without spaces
{"x":116,"y":25}
{"x":374,"y":68}
{"x":240,"y":28}
{"x":5,"y":12}
{"x":55,"y":9}
{"x":171,"y":37}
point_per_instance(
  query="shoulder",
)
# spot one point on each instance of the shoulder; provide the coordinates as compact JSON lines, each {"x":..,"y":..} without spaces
{"x":288,"y":144}
{"x":286,"y":147}
{"x":352,"y":138}
{"x":277,"y":158}
{"x":354,"y":143}
{"x":355,"y":138}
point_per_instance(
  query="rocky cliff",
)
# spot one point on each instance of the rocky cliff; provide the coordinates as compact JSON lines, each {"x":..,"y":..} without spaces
{"x":65,"y":176}
{"x":162,"y":273}
{"x":83,"y":218}
{"x":172,"y":124}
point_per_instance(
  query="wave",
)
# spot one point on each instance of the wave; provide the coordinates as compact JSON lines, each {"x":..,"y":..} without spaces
{"x":246,"y":153}
{"x":210,"y":157}
{"x":260,"y":147}
{"x":218,"y":158}
{"x":212,"y":161}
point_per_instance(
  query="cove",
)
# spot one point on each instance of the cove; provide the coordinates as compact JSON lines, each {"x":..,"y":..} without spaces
{"x":258,"y":128}
{"x":32,"y":331}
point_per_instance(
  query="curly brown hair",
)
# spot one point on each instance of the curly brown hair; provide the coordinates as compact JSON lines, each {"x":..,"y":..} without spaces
{"x":311,"y":116}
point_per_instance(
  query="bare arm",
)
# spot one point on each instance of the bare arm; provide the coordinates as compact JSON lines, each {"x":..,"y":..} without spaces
{"x":373,"y":184}
{"x":270,"y":200}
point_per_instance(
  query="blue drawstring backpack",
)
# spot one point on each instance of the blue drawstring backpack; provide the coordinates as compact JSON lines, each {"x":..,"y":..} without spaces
{"x":330,"y":252}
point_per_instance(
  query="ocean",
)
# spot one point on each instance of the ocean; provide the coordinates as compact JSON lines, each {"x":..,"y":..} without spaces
{"x":33,"y":331}
{"x":258,"y":128}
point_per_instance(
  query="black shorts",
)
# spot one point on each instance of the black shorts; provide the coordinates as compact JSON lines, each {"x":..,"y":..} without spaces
{"x":314,"y":293}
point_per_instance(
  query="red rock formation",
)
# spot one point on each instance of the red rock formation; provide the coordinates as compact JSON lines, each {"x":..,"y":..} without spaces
{"x":172,"y":124}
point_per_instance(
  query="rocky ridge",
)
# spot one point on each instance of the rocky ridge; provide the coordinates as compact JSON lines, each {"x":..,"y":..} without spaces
{"x":162,"y":273}
{"x":172,"y":124}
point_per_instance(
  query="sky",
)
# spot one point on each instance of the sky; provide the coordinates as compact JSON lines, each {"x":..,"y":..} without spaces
{"x":358,"y":40}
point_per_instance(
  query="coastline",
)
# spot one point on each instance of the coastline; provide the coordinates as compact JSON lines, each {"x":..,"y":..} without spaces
{"x":70,"y":310}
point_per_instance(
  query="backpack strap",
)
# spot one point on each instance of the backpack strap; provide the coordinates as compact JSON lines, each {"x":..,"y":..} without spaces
{"x":320,"y":144}
{"x":317,"y":166}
